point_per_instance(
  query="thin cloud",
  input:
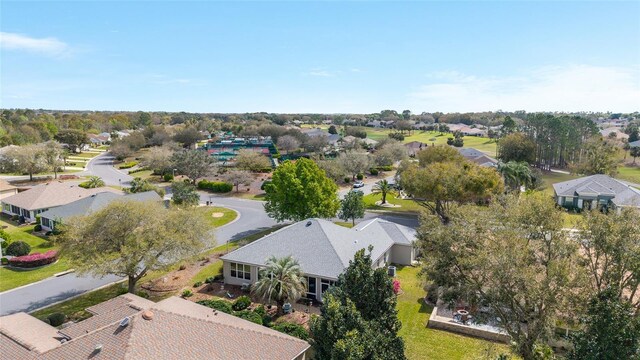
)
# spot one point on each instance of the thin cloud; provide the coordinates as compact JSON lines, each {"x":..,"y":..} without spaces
{"x":556,"y":88}
{"x":46,"y":46}
{"x":321,"y":73}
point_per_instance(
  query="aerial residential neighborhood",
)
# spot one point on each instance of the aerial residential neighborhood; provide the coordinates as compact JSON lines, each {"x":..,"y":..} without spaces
{"x":320,"y":180}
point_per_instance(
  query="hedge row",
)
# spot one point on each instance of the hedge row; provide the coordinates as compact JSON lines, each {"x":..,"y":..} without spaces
{"x":128,"y":165}
{"x":138,"y":170}
{"x":34,"y":260}
{"x":215,"y":186}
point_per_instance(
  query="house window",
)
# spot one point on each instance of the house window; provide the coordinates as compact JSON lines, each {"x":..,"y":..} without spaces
{"x":311,"y":287}
{"x":326,"y":284}
{"x":240,"y":271}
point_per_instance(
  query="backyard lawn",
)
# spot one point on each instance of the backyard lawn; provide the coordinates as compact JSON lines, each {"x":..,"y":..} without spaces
{"x":12,"y":278}
{"x":629,"y":173}
{"x":405,"y":205}
{"x":424,"y":343}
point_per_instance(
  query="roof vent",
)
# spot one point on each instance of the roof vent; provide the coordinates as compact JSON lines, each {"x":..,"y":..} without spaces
{"x":98,"y":348}
{"x":308,"y":223}
{"x":124,"y":322}
{"x":147,"y":315}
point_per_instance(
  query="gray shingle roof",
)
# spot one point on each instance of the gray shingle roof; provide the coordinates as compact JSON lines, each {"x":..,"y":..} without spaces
{"x":635,"y":143}
{"x":95,"y":202}
{"x":321,"y":247}
{"x":599,"y":185}
{"x":52,"y":194}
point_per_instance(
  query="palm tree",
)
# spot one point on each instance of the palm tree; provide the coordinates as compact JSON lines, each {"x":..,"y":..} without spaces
{"x":383,"y":187}
{"x":281,"y":281}
{"x":516,"y":174}
{"x":95,"y":182}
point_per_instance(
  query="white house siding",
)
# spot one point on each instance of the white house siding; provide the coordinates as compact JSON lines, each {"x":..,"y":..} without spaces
{"x":402,"y":254}
{"x":228,"y":279}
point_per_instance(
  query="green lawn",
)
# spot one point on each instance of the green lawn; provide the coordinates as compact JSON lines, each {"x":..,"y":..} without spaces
{"x":346,"y":224}
{"x":405,"y":205}
{"x":424,"y":343}
{"x":629,"y":173}
{"x":11,"y":278}
{"x":212,"y":269}
{"x":483,"y":144}
{"x":228,"y":215}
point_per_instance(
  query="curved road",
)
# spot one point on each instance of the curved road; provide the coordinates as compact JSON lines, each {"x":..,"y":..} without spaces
{"x":102,"y":166}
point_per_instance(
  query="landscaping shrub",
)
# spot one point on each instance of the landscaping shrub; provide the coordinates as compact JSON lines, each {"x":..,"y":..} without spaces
{"x":14,"y":217}
{"x":249,"y":315}
{"x":215,"y":186}
{"x":4,"y":261}
{"x":260,"y":310}
{"x":220,"y":305}
{"x":142,"y":294}
{"x":138,"y":170}
{"x":18,"y":248}
{"x":264,"y":184}
{"x":347,"y":180}
{"x":56,"y":319}
{"x":374,"y":171}
{"x":34,"y":260}
{"x":210,"y":280}
{"x":360,"y":176}
{"x":128,"y":165}
{"x":397,"y":136}
{"x":292,"y":329}
{"x":267,"y":320}
{"x":385,"y":168}
{"x":187,"y":293}
{"x":241,"y":303}
{"x":197,"y":283}
{"x":167,"y":177}
{"x":396,"y":286}
{"x":38,"y":227}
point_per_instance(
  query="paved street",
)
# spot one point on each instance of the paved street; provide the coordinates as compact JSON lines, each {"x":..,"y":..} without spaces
{"x":102,"y":166}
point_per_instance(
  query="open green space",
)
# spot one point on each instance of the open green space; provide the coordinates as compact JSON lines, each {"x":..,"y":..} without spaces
{"x":425,"y":343}
{"x":87,"y":154}
{"x":405,"y":205}
{"x":13,"y":278}
{"x":346,"y":224}
{"x":551,"y":178}
{"x":629,"y":173}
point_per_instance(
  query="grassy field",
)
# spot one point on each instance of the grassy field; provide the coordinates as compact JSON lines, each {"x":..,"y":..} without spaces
{"x":12,"y":278}
{"x":424,"y":343}
{"x":483,"y":144}
{"x":551,"y":178}
{"x":629,"y":173}
{"x":405,"y":205}
{"x":344,"y":223}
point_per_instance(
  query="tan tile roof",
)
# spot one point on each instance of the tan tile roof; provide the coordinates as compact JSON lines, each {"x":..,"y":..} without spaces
{"x":98,"y":321}
{"x":29,"y":332}
{"x":112,"y":338}
{"x":179,"y":329}
{"x":4,"y":185}
{"x":11,"y":349}
{"x":52,"y":194}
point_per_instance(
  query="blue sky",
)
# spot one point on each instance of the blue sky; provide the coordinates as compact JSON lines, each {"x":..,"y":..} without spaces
{"x":321,"y":56}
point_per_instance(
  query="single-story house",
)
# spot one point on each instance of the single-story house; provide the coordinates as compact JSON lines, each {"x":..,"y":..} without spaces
{"x":414,"y":146}
{"x":595,"y":191}
{"x":634,"y":144}
{"x":323,"y":250}
{"x":478,"y":157}
{"x":97,"y":140}
{"x":606,"y":133}
{"x":95,"y":202}
{"x":43,"y":197}
{"x":131,"y":327}
{"x":7,"y":189}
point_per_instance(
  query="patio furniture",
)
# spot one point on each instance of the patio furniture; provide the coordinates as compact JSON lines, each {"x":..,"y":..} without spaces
{"x":229,"y":295}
